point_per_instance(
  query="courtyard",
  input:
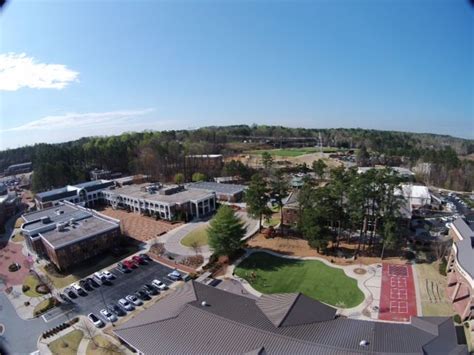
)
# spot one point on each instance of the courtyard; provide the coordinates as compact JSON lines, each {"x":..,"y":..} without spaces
{"x":271,"y":274}
{"x":140,"y":227}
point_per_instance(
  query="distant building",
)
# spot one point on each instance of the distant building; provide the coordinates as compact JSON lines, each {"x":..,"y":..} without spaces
{"x":224,"y":192}
{"x":19,"y":168}
{"x":416,"y":196}
{"x":163,"y":201}
{"x":201,"y":319}
{"x":9,"y":203}
{"x":291,"y":209}
{"x":86,"y":194}
{"x":228,"y":179}
{"x":68,"y":234}
{"x":130,"y":180}
{"x":461,"y":269}
{"x":403,"y":172}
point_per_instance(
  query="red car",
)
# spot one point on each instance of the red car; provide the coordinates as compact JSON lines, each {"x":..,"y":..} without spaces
{"x":139,"y":260}
{"x":130,"y":264}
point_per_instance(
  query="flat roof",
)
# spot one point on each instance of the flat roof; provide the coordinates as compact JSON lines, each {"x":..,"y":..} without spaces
{"x":81,"y":224}
{"x":138,"y":192}
{"x":228,"y":189}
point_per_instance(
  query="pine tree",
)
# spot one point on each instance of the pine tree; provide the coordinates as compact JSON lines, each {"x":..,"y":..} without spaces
{"x":225,"y":232}
{"x":256,"y":197}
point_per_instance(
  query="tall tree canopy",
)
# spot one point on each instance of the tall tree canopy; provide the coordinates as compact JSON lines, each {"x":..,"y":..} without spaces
{"x":225,"y":232}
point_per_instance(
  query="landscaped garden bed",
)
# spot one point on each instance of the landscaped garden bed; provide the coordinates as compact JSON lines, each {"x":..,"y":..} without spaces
{"x":271,"y":274}
{"x":196,"y":238}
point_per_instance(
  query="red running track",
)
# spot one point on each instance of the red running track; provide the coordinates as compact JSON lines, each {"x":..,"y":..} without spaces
{"x":397,"y":297}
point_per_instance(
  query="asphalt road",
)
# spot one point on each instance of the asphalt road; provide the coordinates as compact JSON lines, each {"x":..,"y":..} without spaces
{"x":123,"y":285}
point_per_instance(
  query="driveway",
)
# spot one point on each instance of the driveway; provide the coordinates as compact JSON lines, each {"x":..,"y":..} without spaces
{"x":20,"y":335}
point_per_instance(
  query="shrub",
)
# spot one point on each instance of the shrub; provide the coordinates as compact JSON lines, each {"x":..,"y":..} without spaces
{"x":457,"y":318}
{"x":42,"y":288}
{"x":25,"y":288}
{"x":443,"y":265}
{"x":193,"y":261}
{"x":158,"y":249}
{"x":26,"y":303}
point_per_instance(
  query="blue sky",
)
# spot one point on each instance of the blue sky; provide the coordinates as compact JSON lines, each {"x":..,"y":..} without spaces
{"x":77,"y":68}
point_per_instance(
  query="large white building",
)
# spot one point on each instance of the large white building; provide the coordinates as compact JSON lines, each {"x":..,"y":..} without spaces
{"x":416,"y":196}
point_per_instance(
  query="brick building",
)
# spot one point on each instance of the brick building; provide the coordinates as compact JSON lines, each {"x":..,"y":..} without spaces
{"x":68,"y":234}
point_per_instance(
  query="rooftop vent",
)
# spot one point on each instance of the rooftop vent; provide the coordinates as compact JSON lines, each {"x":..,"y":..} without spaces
{"x":364,"y":343}
{"x":59,"y":212}
{"x":204,"y":304}
{"x":45,"y":219}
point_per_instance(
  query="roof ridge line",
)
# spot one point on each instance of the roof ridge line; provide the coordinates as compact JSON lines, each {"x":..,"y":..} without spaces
{"x":298,"y":294}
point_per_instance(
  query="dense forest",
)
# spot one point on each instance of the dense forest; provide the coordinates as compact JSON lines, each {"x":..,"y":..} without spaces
{"x":162,"y":154}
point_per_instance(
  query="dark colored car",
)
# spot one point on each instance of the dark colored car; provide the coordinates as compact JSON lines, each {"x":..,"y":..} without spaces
{"x":92,"y":282}
{"x":64,"y":298}
{"x":142,"y":295}
{"x":70,"y":293}
{"x":151,"y":290}
{"x":139,"y":260}
{"x":145,"y":257}
{"x":85,"y":285}
{"x":112,"y":307}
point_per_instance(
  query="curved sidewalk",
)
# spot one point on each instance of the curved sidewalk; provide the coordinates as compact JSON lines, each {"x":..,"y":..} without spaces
{"x":368,"y":283}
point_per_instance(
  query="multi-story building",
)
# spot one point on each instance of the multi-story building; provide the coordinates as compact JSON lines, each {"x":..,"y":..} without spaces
{"x":85,"y":194}
{"x":9,"y":203}
{"x":163,"y":201}
{"x":224,"y":192}
{"x":461,"y":269}
{"x":18,"y":168}
{"x":68,"y":234}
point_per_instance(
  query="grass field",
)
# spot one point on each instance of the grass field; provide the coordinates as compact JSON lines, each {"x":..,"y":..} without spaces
{"x":431,"y":285}
{"x":272,"y":274}
{"x":32,"y":282}
{"x":198,"y":236}
{"x":293,"y":152}
{"x":67,"y":344}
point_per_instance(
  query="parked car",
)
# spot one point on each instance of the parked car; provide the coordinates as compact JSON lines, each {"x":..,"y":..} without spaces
{"x":108,"y":275}
{"x":139,"y":260}
{"x":160,"y":285}
{"x":122,"y":268}
{"x":112,"y":307}
{"x":99,"y":277}
{"x":125,"y":304}
{"x":92,"y":282}
{"x":175,"y":275}
{"x":85,"y":285}
{"x":151,"y":290}
{"x":108,"y":315}
{"x":145,"y":256}
{"x":134,"y":300}
{"x":79,"y":290}
{"x":70,"y":292}
{"x":95,"y":320}
{"x":64,"y":298}
{"x":141,"y":294}
{"x":130,"y":264}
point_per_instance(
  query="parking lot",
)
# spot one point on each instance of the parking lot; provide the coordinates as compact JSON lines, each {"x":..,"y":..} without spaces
{"x":123,"y":285}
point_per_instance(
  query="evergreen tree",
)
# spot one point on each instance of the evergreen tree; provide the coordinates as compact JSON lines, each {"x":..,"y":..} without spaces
{"x":279,"y":188}
{"x":198,"y":177}
{"x":225,"y":232}
{"x":256,"y":197}
{"x":319,"y":167}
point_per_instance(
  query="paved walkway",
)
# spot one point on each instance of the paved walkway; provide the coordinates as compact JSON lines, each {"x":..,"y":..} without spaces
{"x":369,"y":283}
{"x":172,"y":239}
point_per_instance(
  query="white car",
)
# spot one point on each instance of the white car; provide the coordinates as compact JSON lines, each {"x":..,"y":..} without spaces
{"x":108,"y":275}
{"x":159,"y":284}
{"x":174,"y":275}
{"x":79,"y":290}
{"x":125,"y":304}
{"x":95,"y":320}
{"x":109,"y":316}
{"x":134,"y":300}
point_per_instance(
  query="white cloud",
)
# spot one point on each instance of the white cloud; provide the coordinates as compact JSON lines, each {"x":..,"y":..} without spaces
{"x":80,"y":120}
{"x":18,"y":71}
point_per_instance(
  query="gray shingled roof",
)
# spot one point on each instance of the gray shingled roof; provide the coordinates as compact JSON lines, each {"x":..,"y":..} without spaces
{"x":233,"y":324}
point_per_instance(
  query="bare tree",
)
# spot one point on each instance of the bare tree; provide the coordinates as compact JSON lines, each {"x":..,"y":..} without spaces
{"x":195,"y":246}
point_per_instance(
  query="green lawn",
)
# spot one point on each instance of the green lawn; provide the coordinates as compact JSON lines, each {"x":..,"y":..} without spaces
{"x":294,"y":152}
{"x":271,"y":274}
{"x":67,"y":344}
{"x":198,"y":236}
{"x":32,"y":282}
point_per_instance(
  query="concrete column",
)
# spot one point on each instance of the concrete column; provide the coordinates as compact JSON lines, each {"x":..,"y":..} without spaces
{"x":197,"y":209}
